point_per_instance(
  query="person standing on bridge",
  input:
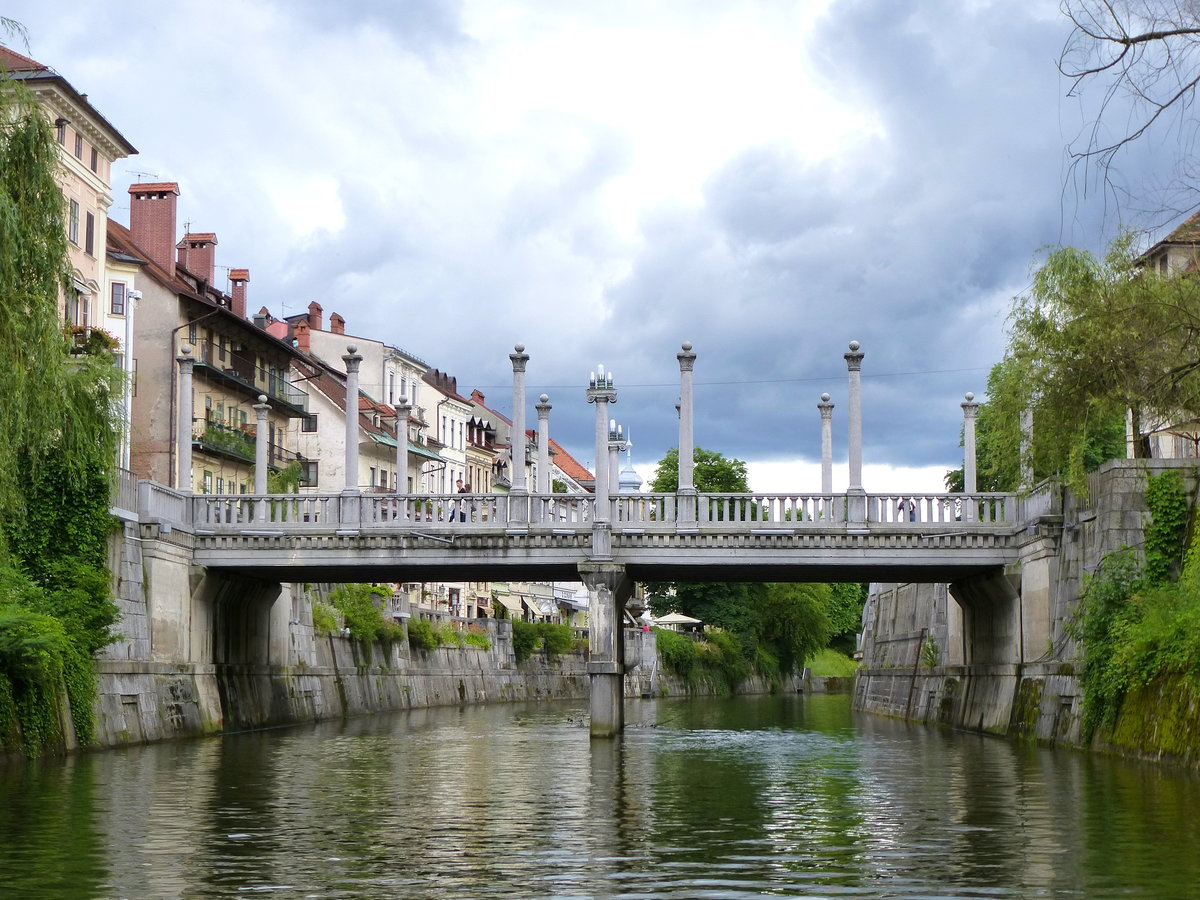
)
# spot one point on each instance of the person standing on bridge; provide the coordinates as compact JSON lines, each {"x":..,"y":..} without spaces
{"x":462,"y":504}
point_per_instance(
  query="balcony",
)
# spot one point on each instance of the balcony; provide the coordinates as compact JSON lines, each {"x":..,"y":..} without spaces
{"x":239,"y":444}
{"x":231,"y":366}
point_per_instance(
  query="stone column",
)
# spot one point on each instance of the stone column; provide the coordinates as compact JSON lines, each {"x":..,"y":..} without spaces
{"x":518,"y":495}
{"x":353,"y":360}
{"x":543,"y":408}
{"x":402,"y":410}
{"x":687,"y":463}
{"x":608,"y":589}
{"x":826,"y":409}
{"x":616,"y":444}
{"x":856,"y":500}
{"x":183,"y":430}
{"x":969,"y":408}
{"x":601,"y":392}
{"x":1027,"y":449}
{"x":261,"y":455}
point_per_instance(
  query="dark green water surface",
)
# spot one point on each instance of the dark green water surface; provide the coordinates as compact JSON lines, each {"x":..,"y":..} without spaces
{"x":748,"y":797}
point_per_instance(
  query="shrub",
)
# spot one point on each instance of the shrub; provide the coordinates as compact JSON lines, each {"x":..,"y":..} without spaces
{"x":420,"y":634}
{"x":361,"y":609}
{"x":557,"y":639}
{"x":525,"y":639}
{"x":449,"y":636}
{"x":677,"y":651}
{"x":477,"y":637}
{"x":324,"y":617}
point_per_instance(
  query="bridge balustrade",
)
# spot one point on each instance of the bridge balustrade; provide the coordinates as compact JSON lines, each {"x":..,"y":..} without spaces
{"x":466,"y":512}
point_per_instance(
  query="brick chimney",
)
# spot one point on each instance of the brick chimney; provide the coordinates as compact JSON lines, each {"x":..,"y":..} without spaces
{"x":198,"y":253}
{"x":238,"y":278}
{"x":152,"y":221}
{"x":477,"y":396}
{"x":301,"y":332}
{"x":337,"y":325}
{"x":314,"y":316}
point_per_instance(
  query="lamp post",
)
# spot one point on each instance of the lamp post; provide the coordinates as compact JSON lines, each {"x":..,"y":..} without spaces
{"x":601,"y":392}
{"x":687,"y":462}
{"x":616,"y":446}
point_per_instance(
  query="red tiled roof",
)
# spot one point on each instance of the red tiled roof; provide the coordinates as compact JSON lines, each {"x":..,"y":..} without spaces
{"x":569,"y":465}
{"x":15,"y":62}
{"x":1187,"y":233}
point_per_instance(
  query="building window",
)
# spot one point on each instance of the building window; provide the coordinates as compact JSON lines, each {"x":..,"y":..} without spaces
{"x":118,"y":298}
{"x":60,"y":131}
{"x":79,"y":145}
{"x":308,"y":471}
{"x":208,"y":482}
{"x":73,"y":223}
{"x":192,"y":335}
{"x":89,"y":235}
{"x":309,"y":423}
{"x":95,"y":162}
{"x":220,"y":485}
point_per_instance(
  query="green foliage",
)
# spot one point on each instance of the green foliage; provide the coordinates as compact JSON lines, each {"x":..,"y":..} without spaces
{"x":525,"y":639}
{"x":794,"y":622}
{"x":477,"y":637}
{"x":556,"y":639}
{"x":845,"y":606}
{"x":712,"y":473}
{"x":677,"y":651}
{"x":931,"y":653}
{"x":1089,"y":340}
{"x":325,"y":618}
{"x":449,"y":636}
{"x":56,"y":456}
{"x":362,"y":611}
{"x":1054,"y":453}
{"x":723,"y":656}
{"x":421,"y":634}
{"x":1167,"y":528}
{"x":831,"y":663}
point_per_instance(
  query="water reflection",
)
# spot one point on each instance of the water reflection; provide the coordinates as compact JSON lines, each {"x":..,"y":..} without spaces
{"x":787,"y":796}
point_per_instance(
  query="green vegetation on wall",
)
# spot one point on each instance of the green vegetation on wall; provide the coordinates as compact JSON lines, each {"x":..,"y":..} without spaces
{"x":58,"y":405}
{"x":1140,"y":630}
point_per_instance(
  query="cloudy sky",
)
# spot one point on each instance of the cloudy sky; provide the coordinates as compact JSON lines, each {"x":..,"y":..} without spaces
{"x":602,"y":181}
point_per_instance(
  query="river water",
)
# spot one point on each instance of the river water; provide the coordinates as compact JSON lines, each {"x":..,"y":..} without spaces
{"x":717,"y":798}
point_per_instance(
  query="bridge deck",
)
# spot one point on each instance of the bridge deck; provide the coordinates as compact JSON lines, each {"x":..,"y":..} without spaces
{"x":795,"y":537}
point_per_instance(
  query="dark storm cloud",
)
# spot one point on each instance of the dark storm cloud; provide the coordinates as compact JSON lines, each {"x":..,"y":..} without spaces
{"x":911,"y":241}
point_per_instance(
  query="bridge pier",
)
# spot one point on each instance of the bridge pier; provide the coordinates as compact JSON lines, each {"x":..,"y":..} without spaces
{"x":609,"y":587}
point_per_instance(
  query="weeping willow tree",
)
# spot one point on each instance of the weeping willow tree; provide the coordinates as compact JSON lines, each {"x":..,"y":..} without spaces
{"x":58,"y":437}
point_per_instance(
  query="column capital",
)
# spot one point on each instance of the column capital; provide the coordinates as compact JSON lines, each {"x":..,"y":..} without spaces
{"x":352,"y":358}
{"x":519,"y":358}
{"x":601,"y":395}
{"x":262,"y":407}
{"x":543,"y":406}
{"x":825,"y":407}
{"x":854,"y":358}
{"x":969,"y":406}
{"x":687,"y":359}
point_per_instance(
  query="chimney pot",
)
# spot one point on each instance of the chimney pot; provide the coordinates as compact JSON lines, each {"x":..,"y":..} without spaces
{"x":337,"y":324}
{"x":239,"y":278}
{"x":314,"y":316}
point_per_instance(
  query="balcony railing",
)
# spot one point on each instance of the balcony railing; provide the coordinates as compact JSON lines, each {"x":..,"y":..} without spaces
{"x":235,"y":366}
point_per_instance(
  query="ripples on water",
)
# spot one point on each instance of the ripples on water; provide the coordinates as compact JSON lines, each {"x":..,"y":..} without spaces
{"x":751,"y":797}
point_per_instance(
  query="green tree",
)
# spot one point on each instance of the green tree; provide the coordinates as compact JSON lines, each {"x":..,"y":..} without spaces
{"x":1091,"y":339}
{"x":57,"y":451}
{"x":788,"y":622}
{"x":712,"y":473}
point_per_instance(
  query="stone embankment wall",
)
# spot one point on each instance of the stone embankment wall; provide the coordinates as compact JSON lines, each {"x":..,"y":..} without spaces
{"x":921,"y":658}
{"x":201,"y":655}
